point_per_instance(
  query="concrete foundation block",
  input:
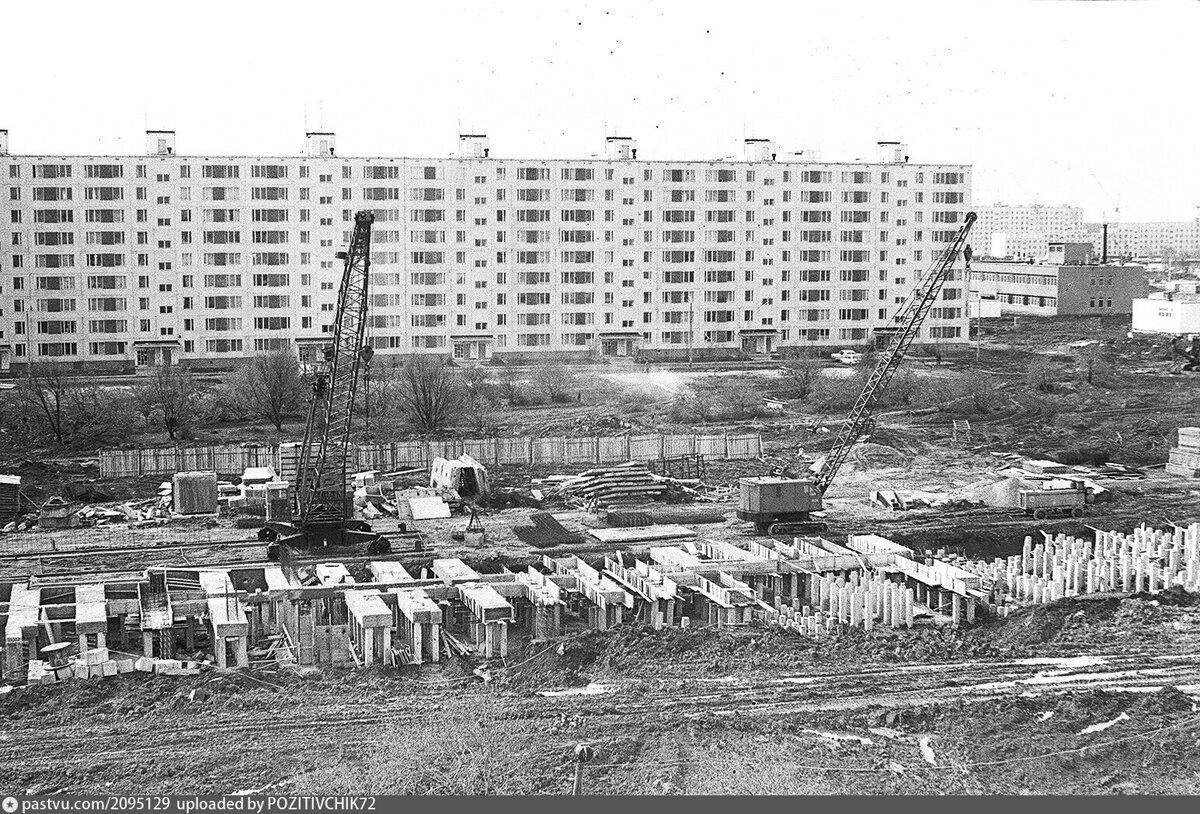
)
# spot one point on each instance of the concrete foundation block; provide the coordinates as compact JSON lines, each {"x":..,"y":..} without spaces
{"x":108,"y":668}
{"x":97,"y":655}
{"x":167,"y":667}
{"x":124,"y":665}
{"x":79,"y":670}
{"x":144,"y":665}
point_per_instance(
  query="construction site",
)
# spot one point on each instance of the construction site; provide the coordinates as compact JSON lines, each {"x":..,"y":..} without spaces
{"x":963,"y":574}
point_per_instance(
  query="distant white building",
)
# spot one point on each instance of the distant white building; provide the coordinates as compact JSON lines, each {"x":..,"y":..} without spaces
{"x":1025,"y":232}
{"x":1156,"y":238}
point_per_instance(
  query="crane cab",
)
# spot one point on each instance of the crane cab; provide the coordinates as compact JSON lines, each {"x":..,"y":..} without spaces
{"x":777,"y":504}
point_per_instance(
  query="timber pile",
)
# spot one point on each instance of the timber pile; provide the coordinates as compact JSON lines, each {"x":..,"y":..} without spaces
{"x":629,"y":484}
{"x":1185,"y":458}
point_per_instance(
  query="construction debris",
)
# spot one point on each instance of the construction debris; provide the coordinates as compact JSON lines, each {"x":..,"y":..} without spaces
{"x":545,"y":531}
{"x":58,"y":513}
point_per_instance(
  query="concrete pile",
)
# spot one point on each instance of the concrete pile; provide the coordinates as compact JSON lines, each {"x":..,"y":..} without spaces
{"x":1147,"y":559}
{"x":1184,"y":458}
{"x":857,"y":601}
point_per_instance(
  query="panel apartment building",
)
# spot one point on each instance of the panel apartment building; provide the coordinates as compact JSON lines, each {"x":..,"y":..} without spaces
{"x":1025,"y":232}
{"x":119,"y":262}
{"x":1158,"y":238}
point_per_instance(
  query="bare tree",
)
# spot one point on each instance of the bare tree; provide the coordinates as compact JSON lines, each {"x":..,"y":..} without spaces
{"x":800,"y":377}
{"x":980,"y":388}
{"x":554,"y":379}
{"x":71,"y":409}
{"x":171,"y":395}
{"x":479,"y":399}
{"x":48,"y":392}
{"x":269,"y":386}
{"x":510,"y":385}
{"x":903,"y":388}
{"x":429,"y":392}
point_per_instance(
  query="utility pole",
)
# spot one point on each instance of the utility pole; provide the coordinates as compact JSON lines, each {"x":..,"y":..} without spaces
{"x":978,"y":309}
{"x":691,"y":325}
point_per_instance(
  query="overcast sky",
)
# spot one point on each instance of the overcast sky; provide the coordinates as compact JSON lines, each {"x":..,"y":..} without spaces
{"x":1088,"y":103}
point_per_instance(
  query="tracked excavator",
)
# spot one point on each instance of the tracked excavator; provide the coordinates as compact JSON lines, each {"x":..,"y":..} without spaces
{"x":324,"y":523}
{"x":781,"y":505}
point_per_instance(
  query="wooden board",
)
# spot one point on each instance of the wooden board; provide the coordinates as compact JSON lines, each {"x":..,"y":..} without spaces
{"x":639,"y":534}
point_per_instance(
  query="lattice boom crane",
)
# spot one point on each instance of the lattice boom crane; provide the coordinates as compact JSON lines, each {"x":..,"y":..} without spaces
{"x":324,"y":513}
{"x":784,"y":504}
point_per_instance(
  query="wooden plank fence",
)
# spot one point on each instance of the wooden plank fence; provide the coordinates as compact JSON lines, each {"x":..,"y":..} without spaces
{"x":229,"y":461}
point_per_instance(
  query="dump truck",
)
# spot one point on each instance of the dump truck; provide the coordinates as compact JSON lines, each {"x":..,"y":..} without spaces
{"x":1039,"y":503}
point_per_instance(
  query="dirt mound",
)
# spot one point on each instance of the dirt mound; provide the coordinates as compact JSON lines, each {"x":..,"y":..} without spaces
{"x":1175,"y":596}
{"x":1087,"y":621}
{"x":639,"y":651}
{"x":1004,"y":493}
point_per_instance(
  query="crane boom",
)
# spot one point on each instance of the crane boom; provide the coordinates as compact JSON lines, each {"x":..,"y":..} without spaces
{"x":907,"y":323}
{"x":324,"y":520}
{"x":323,"y":480}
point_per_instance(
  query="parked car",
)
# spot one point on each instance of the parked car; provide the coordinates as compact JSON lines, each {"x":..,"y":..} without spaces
{"x":847,"y":356}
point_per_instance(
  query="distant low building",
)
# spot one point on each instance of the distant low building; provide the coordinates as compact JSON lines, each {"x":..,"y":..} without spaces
{"x":1070,"y":283}
{"x":1167,"y":313}
{"x":983,"y":307}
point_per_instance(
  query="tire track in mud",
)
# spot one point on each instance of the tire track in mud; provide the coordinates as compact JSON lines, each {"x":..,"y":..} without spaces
{"x":299,"y":729}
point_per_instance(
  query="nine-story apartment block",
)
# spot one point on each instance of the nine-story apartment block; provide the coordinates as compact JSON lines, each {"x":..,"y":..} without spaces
{"x":117,"y":262}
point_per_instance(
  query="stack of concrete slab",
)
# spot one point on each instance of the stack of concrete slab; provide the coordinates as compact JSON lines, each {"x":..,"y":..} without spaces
{"x":194,"y":492}
{"x":10,"y":497}
{"x":1184,"y":459}
{"x":1042,"y":467}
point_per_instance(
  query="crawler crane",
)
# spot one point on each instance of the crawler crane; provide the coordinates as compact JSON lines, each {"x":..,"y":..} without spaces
{"x":324,"y":511}
{"x":785,"y":505}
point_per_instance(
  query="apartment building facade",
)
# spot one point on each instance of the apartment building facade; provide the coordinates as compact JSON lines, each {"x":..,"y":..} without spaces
{"x":1024,"y":232}
{"x":1158,"y":238}
{"x":122,"y":262}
